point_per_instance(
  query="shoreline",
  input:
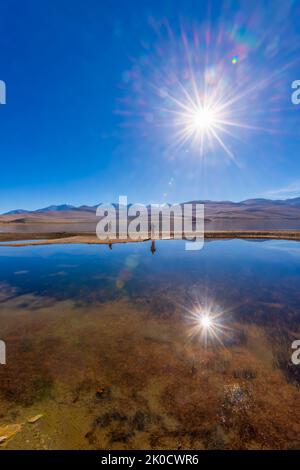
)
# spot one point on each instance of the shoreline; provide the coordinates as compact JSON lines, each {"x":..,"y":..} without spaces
{"x":15,"y":239}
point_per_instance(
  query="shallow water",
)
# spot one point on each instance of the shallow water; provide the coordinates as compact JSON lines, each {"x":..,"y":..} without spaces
{"x":10,"y":242}
{"x":48,"y":227}
{"x":103,"y":343}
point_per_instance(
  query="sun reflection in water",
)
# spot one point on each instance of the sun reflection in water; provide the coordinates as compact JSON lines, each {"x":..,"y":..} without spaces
{"x":208,"y":323}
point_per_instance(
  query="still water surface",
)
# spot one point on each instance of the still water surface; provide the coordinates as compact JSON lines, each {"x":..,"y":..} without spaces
{"x":103,"y":343}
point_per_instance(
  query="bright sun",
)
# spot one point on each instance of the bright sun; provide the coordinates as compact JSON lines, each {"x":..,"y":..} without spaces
{"x":202,"y":119}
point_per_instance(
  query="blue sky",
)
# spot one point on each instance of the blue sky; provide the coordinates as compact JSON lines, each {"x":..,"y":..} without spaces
{"x":91,"y":100}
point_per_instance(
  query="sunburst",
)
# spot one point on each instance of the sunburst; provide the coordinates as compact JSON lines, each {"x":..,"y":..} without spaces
{"x":203,"y":119}
{"x":207,"y":322}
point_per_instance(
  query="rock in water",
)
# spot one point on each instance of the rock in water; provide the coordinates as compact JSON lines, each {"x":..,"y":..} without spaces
{"x":8,"y":431}
{"x":34,"y":419}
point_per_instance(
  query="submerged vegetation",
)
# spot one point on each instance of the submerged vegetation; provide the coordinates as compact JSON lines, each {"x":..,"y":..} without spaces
{"x":120,"y":371}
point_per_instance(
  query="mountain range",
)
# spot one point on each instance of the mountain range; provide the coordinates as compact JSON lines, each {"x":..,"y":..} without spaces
{"x":247,"y":203}
{"x":219,"y":215}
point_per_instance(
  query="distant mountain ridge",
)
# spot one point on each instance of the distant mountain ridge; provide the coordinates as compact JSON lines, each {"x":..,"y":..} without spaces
{"x":246,"y":202}
{"x":251,"y":214}
{"x":53,"y":208}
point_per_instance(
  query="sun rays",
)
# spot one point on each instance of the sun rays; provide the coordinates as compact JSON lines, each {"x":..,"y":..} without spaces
{"x":202,"y":121}
{"x":207,"y":323}
{"x":206,"y":92}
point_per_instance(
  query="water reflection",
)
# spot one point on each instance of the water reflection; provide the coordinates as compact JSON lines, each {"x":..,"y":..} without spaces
{"x":98,"y":343}
{"x":207,"y":322}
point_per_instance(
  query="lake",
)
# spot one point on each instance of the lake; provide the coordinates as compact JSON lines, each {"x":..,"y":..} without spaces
{"x":107,"y":345}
